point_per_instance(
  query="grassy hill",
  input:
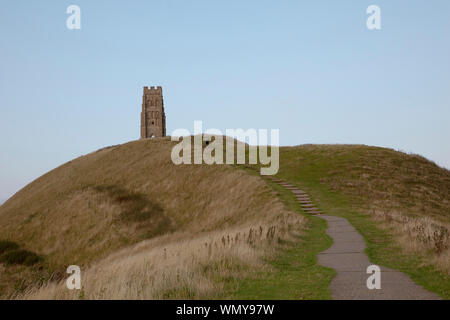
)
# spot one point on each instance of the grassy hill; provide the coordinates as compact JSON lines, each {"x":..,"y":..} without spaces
{"x":141,"y":227}
{"x":138,"y":226}
{"x":399,"y":202}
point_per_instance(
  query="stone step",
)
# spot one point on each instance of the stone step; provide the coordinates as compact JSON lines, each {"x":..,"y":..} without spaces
{"x":314,"y":212}
{"x":301,"y":196}
{"x":310,"y":209}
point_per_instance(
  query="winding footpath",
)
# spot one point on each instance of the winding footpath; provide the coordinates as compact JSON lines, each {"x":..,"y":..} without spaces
{"x":348,"y":258}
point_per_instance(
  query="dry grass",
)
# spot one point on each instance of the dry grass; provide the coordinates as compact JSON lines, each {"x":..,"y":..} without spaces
{"x":175,"y":266}
{"x":419,"y":235}
{"x":392,"y":179}
{"x":141,"y":227}
{"x":410,"y":194}
{"x":405,"y":193}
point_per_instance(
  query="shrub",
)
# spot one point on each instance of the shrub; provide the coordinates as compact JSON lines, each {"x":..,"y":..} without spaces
{"x":7,"y":246}
{"x":21,"y":256}
{"x":136,"y":208}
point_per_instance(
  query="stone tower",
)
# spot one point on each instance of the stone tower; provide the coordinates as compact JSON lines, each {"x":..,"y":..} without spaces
{"x":153,"y":118}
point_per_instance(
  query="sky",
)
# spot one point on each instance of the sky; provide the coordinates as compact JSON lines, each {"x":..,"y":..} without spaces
{"x":311,"y":69}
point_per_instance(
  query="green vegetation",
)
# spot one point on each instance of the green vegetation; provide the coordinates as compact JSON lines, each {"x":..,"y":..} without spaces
{"x":137,"y":208}
{"x":11,"y":254}
{"x":294,"y":272}
{"x":7,"y":246}
{"x":24,"y":257}
{"x":377,"y":190}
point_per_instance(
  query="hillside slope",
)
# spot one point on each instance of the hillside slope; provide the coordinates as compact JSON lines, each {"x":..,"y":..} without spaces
{"x":91,"y":208}
{"x":141,"y":227}
{"x":399,"y":202}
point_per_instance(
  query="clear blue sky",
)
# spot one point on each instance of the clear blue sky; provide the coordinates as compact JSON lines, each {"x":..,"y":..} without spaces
{"x":310,"y":68}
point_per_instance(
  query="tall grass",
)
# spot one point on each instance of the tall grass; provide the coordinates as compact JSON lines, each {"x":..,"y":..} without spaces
{"x":141,"y":227}
{"x":419,"y":235}
{"x":179,"y":266}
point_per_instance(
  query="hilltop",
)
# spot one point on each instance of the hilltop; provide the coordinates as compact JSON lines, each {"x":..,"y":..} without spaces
{"x":127,"y":215}
{"x":131,"y":203}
